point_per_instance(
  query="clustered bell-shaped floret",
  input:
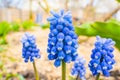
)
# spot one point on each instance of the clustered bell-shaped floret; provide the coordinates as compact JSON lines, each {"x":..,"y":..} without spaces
{"x":79,"y":68}
{"x":29,"y":50}
{"x":62,"y":42}
{"x":102,"y":56}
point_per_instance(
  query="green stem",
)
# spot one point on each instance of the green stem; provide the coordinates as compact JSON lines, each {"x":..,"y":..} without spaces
{"x":63,"y":70}
{"x":98,"y":77}
{"x":35,"y":70}
{"x":77,"y":77}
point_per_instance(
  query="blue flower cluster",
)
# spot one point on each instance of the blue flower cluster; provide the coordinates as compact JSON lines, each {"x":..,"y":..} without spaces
{"x":102,"y":56}
{"x":62,"y":42}
{"x":79,"y":68}
{"x":29,"y":50}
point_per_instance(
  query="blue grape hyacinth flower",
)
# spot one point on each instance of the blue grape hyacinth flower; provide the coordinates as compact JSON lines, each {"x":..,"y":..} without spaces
{"x":62,"y":42}
{"x":79,"y":69}
{"x":102,"y":56}
{"x":29,"y":50}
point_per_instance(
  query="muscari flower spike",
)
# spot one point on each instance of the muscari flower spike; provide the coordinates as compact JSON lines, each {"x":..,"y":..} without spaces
{"x":29,"y":50}
{"x":102,"y":56}
{"x":62,"y":42}
{"x":79,"y":68}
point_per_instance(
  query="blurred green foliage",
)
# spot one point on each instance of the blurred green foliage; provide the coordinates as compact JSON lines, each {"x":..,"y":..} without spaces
{"x":118,"y":0}
{"x":15,"y":26}
{"x":6,"y":27}
{"x":45,"y":26}
{"x":28,"y":24}
{"x":110,"y":29}
{"x":3,"y":40}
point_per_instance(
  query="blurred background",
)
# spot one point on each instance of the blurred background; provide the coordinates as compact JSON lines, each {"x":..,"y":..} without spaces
{"x":90,"y":18}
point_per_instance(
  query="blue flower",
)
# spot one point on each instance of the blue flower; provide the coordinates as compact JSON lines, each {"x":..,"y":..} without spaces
{"x":29,"y":50}
{"x":62,"y":42}
{"x":102,"y":56}
{"x":79,"y":68}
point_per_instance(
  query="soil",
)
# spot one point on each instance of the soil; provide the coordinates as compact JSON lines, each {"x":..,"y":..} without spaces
{"x":45,"y":67}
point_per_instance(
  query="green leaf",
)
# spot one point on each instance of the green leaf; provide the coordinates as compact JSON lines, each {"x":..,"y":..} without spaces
{"x":87,"y":30}
{"x":110,"y":29}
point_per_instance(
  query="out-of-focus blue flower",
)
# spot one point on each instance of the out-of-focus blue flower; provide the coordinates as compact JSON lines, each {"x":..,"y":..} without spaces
{"x":102,"y":56}
{"x":79,"y":68}
{"x":62,"y":42}
{"x":29,"y":50}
